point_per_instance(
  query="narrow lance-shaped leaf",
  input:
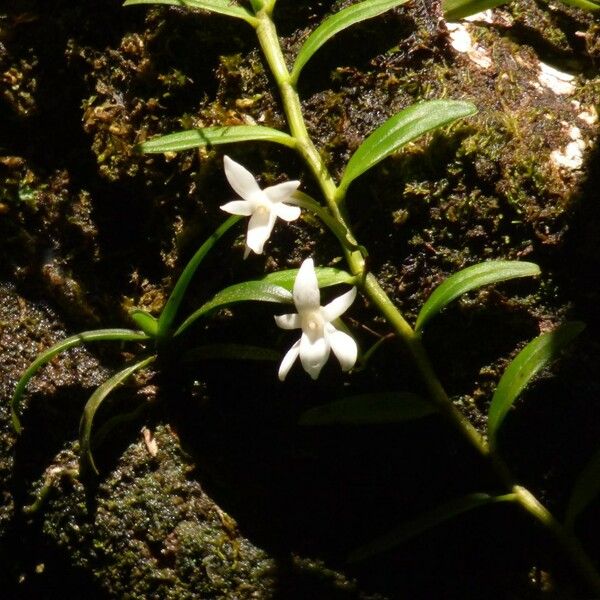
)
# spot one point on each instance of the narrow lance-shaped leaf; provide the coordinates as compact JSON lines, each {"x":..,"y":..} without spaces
{"x":424,"y":522}
{"x":326,"y":277}
{"x":259,"y":291}
{"x":536,"y":355}
{"x":100,"y":335}
{"x":93,"y":404}
{"x":459,"y":9}
{"x":369,"y":409}
{"x":145,"y":321}
{"x":469,"y":279}
{"x":592,"y":5}
{"x":169,"y":312}
{"x":224,"y":7}
{"x":274,"y":287}
{"x":585,"y":491}
{"x":336,"y":23}
{"x":214,"y":136}
{"x":399,"y":130}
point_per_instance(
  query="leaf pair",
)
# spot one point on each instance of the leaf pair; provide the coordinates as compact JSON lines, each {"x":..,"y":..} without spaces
{"x":404,"y":127}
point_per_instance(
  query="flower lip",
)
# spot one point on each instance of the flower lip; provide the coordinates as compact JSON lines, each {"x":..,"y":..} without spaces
{"x":319,"y":334}
{"x":263,"y":206}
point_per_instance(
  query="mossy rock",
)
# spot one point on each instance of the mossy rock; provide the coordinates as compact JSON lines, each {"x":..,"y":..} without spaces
{"x":91,"y":228}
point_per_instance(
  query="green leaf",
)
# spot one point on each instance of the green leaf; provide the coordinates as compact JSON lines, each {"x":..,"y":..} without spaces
{"x":93,"y":404}
{"x":585,"y":491}
{"x":539,"y":353}
{"x":592,"y":5}
{"x":369,"y":409}
{"x":424,"y":522}
{"x":471,"y":278}
{"x":223,"y":7}
{"x":169,"y":312}
{"x":231,"y":352}
{"x":274,"y":287}
{"x":260,"y":291}
{"x":459,"y":9}
{"x":326,"y":276}
{"x":145,"y":321}
{"x":336,"y":23}
{"x":213,"y":136}
{"x":399,"y":130}
{"x":99,"y":335}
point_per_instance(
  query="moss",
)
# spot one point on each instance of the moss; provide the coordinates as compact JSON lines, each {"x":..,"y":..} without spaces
{"x":95,"y":228}
{"x":153,"y":533}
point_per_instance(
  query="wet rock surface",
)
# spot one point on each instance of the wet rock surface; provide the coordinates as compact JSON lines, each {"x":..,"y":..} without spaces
{"x":224,"y":495}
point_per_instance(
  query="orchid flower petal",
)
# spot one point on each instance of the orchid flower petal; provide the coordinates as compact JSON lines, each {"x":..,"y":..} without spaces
{"x":240,"y":179}
{"x":306,"y":288}
{"x":259,"y":229}
{"x":282,"y":191}
{"x":339,"y":305}
{"x":313,"y":354}
{"x":290,"y":321}
{"x":343,"y":346}
{"x":286,"y":212}
{"x":244,"y":208}
{"x":288,"y":360}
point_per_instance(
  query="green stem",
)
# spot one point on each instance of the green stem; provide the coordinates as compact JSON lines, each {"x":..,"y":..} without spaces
{"x":269,"y":42}
{"x":334,"y":197}
{"x":569,"y":543}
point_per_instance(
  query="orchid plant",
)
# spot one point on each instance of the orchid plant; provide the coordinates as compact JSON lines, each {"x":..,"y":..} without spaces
{"x":321,"y":328}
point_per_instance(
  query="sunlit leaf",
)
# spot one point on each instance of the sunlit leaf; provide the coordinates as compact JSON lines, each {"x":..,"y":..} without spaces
{"x":459,"y":9}
{"x":538,"y":354}
{"x":369,"y":409}
{"x":592,"y":5}
{"x":231,"y":352}
{"x":469,"y":279}
{"x":213,"y":136}
{"x":274,"y":287}
{"x":223,"y":7}
{"x":145,"y":321}
{"x":93,"y":404}
{"x":336,"y":23}
{"x":260,"y":291}
{"x":326,"y":276}
{"x":424,"y":522}
{"x":125,"y":335}
{"x":167,"y":316}
{"x":397,"y":131}
{"x":585,"y":490}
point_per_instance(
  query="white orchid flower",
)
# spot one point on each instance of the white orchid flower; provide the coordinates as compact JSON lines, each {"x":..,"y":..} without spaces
{"x":262,"y":206}
{"x":319,"y":336}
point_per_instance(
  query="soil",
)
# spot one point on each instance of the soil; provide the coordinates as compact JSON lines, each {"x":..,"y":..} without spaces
{"x":208,"y":486}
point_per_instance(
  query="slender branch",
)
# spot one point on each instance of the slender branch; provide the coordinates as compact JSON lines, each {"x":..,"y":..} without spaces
{"x":334,"y":197}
